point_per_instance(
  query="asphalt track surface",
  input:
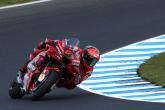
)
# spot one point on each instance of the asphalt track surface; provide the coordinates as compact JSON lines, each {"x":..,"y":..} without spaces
{"x":107,"y":24}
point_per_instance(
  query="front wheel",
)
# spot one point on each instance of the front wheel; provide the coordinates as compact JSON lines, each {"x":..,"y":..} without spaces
{"x":45,"y":85}
{"x":15,"y":91}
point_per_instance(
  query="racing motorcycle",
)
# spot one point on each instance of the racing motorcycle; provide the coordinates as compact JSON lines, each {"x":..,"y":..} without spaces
{"x":38,"y":82}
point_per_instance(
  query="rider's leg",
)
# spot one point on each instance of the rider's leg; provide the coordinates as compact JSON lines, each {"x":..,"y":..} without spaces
{"x":21,"y":73}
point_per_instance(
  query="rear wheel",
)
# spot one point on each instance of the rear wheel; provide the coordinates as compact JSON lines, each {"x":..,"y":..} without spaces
{"x":45,"y":86}
{"x":15,"y":91}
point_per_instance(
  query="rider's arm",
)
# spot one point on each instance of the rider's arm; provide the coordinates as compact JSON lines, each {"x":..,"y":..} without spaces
{"x":87,"y":73}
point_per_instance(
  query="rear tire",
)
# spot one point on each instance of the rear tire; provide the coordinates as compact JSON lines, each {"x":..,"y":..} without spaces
{"x":45,"y":86}
{"x":15,"y":91}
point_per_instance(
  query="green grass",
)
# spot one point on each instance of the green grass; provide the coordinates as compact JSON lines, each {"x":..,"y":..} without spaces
{"x":153,"y":70}
{"x":10,"y":2}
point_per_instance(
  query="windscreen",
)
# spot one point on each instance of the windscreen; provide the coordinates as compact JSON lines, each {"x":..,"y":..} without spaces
{"x":72,"y":43}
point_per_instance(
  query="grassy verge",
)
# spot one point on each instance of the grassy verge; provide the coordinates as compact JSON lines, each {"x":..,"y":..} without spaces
{"x":153,"y":70}
{"x":10,"y":2}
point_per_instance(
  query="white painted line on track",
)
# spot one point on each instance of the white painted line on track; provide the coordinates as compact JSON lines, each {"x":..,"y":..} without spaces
{"x":149,"y":97}
{"x":111,"y":74}
{"x":134,"y":53}
{"x":113,"y":79}
{"x":146,"y":47}
{"x":138,"y":93}
{"x":155,"y":40}
{"x":125,"y":59}
{"x":115,"y":68}
{"x":115,"y":85}
{"x":125,"y":89}
{"x":23,"y":4}
{"x":116,"y":64}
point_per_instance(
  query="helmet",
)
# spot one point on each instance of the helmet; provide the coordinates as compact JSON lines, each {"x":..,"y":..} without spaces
{"x":91,"y":55}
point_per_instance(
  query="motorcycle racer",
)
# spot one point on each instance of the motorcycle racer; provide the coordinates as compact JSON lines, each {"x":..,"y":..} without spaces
{"x":86,"y":59}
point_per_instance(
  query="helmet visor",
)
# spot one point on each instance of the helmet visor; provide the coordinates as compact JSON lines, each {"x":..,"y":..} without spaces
{"x":90,"y":61}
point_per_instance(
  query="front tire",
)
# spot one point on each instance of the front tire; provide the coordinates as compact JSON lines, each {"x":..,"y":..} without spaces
{"x":45,"y":86}
{"x":15,"y":91}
